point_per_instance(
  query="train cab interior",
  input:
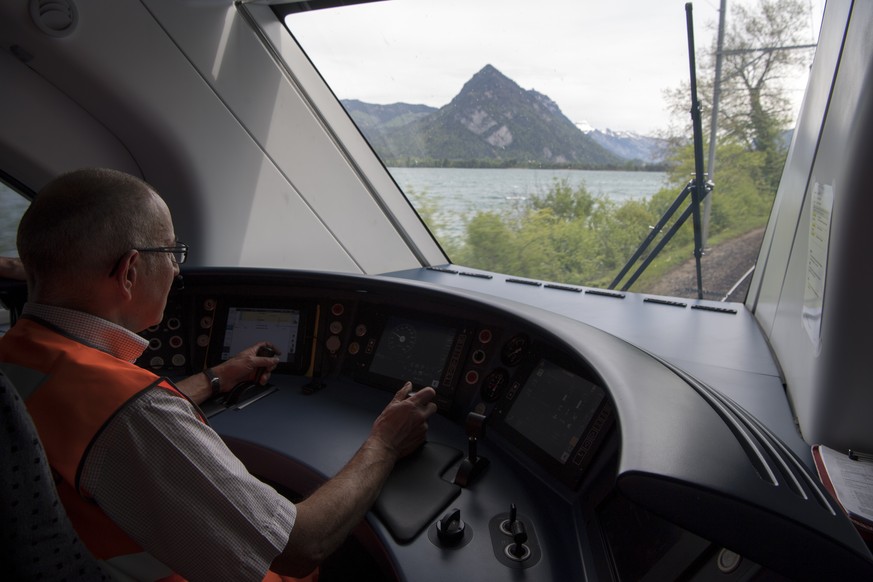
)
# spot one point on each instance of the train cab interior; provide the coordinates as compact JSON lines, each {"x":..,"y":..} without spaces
{"x":582,"y":433}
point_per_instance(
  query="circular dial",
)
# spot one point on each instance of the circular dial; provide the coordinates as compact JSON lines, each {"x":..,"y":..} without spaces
{"x":493,"y":385}
{"x":401,"y":338}
{"x":514,"y":349}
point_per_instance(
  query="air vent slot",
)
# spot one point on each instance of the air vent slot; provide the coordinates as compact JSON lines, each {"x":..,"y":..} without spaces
{"x":767,"y":453}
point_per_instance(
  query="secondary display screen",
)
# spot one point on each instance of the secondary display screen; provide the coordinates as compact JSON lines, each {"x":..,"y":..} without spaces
{"x":413,"y":350}
{"x":554,"y":409}
{"x":247,"y":326}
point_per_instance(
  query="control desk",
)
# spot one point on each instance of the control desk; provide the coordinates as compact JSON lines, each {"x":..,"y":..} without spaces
{"x":560,"y":452}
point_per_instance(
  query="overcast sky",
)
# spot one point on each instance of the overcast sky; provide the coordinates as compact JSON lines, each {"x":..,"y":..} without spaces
{"x":604,"y":62}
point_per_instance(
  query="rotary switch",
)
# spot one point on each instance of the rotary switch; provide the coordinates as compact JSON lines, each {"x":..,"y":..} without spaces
{"x":450,"y":528}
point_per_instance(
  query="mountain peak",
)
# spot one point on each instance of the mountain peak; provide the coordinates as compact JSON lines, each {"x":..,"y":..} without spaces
{"x":492,"y":121}
{"x":489,"y":83}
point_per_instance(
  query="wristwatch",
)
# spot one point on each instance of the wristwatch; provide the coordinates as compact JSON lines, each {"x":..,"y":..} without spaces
{"x":214,"y":381}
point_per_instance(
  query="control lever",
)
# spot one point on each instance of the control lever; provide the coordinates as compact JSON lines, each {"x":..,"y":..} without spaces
{"x":471,"y":467}
{"x":247,"y":388}
{"x":506,"y":524}
{"x":264,"y":351}
{"x":518,"y":550}
{"x":514,"y":539}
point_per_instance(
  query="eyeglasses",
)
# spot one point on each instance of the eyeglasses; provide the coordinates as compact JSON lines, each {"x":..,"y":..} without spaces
{"x":179,"y":252}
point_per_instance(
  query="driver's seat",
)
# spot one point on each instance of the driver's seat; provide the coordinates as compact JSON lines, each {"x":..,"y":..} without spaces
{"x":37,"y":540}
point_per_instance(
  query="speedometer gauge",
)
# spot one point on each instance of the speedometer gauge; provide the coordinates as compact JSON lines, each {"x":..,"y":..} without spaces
{"x":401,"y":338}
{"x":514,"y":349}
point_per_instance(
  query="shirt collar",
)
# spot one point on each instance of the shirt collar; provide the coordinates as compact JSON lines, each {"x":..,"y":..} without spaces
{"x":95,"y":331}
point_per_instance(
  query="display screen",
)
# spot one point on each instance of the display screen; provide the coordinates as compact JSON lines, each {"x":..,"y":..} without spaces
{"x":247,"y":326}
{"x":413,"y":350}
{"x":554,"y":409}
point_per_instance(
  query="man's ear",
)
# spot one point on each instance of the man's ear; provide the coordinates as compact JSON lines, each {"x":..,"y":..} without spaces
{"x":127,"y":272}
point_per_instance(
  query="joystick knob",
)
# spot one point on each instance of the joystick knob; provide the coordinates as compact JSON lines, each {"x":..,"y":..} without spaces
{"x":450,"y":528}
{"x":517,"y":550}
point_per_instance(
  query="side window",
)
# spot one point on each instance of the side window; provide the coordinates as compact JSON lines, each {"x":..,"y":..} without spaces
{"x":12,"y":206}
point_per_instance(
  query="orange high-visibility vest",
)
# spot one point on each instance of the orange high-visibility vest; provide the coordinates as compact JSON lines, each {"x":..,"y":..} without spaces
{"x":62,"y":371}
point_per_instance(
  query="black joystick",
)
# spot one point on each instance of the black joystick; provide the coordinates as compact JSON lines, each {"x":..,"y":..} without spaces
{"x":518,"y":550}
{"x":248,"y":388}
{"x":473,"y":465}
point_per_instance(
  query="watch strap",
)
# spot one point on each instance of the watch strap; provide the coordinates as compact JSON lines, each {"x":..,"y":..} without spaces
{"x":214,"y":381}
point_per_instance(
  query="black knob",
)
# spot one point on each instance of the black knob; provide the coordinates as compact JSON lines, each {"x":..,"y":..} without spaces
{"x":450,"y":528}
{"x":519,"y":536}
{"x":266,"y":351}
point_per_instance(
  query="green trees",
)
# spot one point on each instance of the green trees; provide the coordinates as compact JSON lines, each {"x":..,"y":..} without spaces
{"x":565,"y":235}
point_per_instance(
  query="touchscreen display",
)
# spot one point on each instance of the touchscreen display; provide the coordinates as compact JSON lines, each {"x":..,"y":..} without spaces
{"x":554,"y":409}
{"x":247,"y":326}
{"x":413,"y":350}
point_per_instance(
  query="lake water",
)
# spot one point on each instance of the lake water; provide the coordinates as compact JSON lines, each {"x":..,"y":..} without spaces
{"x":459,"y":193}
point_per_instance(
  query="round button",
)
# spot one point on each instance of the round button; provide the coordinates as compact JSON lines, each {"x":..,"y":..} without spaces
{"x":333,"y":344}
{"x":728,"y":561}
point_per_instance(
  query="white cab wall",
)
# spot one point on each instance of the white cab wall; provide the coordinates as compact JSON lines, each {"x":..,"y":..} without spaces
{"x":187,"y":93}
{"x":826,"y":364}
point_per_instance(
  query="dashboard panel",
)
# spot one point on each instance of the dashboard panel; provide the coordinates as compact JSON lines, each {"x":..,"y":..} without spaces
{"x":618,"y":465}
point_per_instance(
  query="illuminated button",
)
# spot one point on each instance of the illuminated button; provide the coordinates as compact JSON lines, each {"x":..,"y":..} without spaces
{"x":179,"y":360}
{"x":478,"y":356}
{"x":176,"y":341}
{"x":354,"y":348}
{"x":471,"y":377}
{"x":209,"y":304}
{"x":337,"y":309}
{"x":336,"y":327}
{"x":206,"y":322}
{"x":202,"y":340}
{"x":485,"y":336}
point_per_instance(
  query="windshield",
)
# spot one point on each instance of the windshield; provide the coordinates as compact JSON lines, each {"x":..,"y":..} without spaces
{"x":547,"y":140}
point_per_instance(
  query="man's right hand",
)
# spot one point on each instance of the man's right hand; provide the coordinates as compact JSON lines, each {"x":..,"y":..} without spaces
{"x":402,"y":426}
{"x":327,"y":516}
